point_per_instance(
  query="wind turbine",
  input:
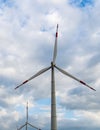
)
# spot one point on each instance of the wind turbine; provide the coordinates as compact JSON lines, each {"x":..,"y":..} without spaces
{"x":53,"y":97}
{"x":27,"y":123}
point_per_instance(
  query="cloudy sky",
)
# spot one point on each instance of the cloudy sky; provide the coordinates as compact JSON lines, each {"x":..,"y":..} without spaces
{"x":27,"y":35}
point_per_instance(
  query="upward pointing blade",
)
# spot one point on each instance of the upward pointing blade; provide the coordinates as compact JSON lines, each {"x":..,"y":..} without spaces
{"x":71,"y":76}
{"x":27,"y":112}
{"x":37,"y":74}
{"x":55,"y":46}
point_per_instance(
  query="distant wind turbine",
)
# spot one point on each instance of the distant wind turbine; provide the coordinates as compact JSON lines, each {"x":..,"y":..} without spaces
{"x":53,"y":97}
{"x":27,"y":123}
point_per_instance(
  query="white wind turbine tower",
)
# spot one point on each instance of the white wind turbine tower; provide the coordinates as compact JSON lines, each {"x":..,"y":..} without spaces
{"x":27,"y":123}
{"x":53,"y":97}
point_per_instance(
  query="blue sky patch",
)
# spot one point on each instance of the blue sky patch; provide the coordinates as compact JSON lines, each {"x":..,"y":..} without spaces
{"x":45,"y":101}
{"x":3,"y":1}
{"x":7,"y":3}
{"x":81,"y":3}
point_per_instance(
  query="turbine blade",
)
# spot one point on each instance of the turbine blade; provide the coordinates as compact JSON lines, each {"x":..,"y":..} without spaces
{"x":71,"y":76}
{"x":27,"y":112}
{"x":22,"y":126}
{"x":55,"y":46}
{"x":33,"y":126}
{"x":37,"y":74}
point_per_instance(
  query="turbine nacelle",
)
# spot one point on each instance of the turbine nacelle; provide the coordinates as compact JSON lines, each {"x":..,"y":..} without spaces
{"x":52,"y":64}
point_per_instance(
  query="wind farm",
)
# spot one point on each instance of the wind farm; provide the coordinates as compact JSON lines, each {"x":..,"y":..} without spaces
{"x":52,"y":67}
